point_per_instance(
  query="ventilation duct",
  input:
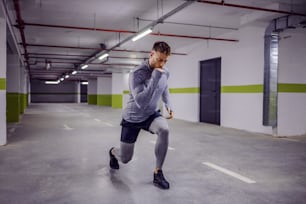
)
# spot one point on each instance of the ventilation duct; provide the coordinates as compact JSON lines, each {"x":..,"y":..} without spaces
{"x":272,"y":37}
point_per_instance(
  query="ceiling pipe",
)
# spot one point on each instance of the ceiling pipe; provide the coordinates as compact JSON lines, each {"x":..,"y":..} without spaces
{"x":129,"y":32}
{"x":54,"y":54}
{"x":10,"y":29}
{"x":195,"y":37}
{"x":20,"y":25}
{"x":33,"y":55}
{"x":115,"y":64}
{"x":222,"y":3}
{"x":79,"y":28}
{"x":154,"y":23}
{"x":54,"y":58}
{"x":191,"y":24}
{"x":91,"y":48}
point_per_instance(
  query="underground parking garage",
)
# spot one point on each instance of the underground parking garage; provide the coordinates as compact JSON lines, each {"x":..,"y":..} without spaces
{"x":235,"y":86}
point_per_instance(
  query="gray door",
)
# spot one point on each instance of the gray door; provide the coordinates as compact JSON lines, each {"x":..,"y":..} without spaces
{"x":83,"y":93}
{"x":210,"y":82}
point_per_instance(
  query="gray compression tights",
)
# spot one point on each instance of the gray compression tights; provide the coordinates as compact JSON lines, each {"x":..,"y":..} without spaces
{"x":159,"y":126}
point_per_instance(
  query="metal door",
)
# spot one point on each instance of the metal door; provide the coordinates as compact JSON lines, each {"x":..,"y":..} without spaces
{"x":210,"y":84}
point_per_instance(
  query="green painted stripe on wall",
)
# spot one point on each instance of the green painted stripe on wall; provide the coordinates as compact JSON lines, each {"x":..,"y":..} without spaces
{"x":92,"y":99}
{"x":53,"y":93}
{"x":2,"y":83}
{"x":254,"y":88}
{"x":291,"y":88}
{"x":27,"y":100}
{"x":21,"y":104}
{"x":258,"y":88}
{"x":104,"y":100}
{"x":184,"y":90}
{"x":117,"y":101}
{"x":12,"y":107}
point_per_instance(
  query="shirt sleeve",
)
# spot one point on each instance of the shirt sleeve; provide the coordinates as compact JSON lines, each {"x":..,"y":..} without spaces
{"x":141,"y":90}
{"x":166,"y":96}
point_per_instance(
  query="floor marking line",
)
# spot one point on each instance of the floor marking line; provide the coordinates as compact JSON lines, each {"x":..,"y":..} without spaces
{"x":230,"y":173}
{"x":289,"y":139}
{"x":170,"y":148}
{"x":66,"y":127}
{"x":108,"y":124}
{"x":98,"y":120}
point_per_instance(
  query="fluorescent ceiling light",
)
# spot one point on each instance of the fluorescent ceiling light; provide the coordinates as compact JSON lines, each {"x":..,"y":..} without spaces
{"x":67,"y":76}
{"x":84,"y":82}
{"x":103,"y":56}
{"x":142,"y":34}
{"x":84,"y":66}
{"x":52,"y":82}
{"x":74,"y":72}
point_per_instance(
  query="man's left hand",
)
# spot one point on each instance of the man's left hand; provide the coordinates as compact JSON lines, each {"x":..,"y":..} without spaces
{"x":170,"y":112}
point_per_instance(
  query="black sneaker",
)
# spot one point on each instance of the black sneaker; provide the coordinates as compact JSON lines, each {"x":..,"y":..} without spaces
{"x":113,"y":162}
{"x":160,"y":181}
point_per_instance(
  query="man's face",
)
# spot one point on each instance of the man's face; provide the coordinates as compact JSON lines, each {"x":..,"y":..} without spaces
{"x":157,"y":59}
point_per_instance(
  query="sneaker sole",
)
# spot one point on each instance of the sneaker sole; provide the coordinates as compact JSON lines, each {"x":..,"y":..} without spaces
{"x":157,"y":185}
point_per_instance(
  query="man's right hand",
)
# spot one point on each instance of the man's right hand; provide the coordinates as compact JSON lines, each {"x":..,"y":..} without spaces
{"x":160,"y":69}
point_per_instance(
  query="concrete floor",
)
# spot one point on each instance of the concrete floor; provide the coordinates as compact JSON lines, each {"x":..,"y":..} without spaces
{"x":58,"y":153}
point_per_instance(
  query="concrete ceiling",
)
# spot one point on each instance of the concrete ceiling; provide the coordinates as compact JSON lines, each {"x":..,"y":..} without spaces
{"x":66,"y":33}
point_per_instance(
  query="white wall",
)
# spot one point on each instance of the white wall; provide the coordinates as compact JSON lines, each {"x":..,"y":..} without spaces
{"x":186,"y":106}
{"x":23,"y":81}
{"x":92,"y":87}
{"x":117,"y":83}
{"x":78,"y":92}
{"x":104,"y":85}
{"x":3,"y":67}
{"x":292,"y":69}
{"x":242,"y":63}
{"x":13,"y":74}
{"x":125,"y":88}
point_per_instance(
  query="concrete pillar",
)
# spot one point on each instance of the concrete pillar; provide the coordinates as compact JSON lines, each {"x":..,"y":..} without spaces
{"x":23,"y":90}
{"x":104,"y":90}
{"x":126,"y":90}
{"x":13,"y":88}
{"x":92,"y":92}
{"x":117,"y":90}
{"x":28,"y":89}
{"x":78,"y":92}
{"x":3,"y":136}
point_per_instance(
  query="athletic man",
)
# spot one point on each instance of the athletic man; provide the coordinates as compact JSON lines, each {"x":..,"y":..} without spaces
{"x":148,"y":83}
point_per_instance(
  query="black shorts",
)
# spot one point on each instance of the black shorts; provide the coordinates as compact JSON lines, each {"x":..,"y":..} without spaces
{"x":130,"y":131}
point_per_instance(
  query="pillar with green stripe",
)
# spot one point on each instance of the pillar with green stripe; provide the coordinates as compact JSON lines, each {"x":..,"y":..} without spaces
{"x":92,"y":94}
{"x":13,"y":96}
{"x":104,"y":89}
{"x":3,"y":57}
{"x":118,"y":80}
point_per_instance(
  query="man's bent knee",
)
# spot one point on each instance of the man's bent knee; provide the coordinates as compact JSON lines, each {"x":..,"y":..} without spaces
{"x":163,"y":131}
{"x":125,"y":160}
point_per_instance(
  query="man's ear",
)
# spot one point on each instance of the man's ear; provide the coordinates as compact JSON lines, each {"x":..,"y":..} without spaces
{"x":151,"y":53}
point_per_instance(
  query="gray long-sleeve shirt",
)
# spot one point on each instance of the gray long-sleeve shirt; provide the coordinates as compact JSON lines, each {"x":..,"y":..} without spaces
{"x":147,"y":86}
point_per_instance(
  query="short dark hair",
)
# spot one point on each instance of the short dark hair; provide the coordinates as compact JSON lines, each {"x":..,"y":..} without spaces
{"x":162,"y":47}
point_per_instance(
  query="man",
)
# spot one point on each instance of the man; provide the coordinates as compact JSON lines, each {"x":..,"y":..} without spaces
{"x":148,"y":83}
